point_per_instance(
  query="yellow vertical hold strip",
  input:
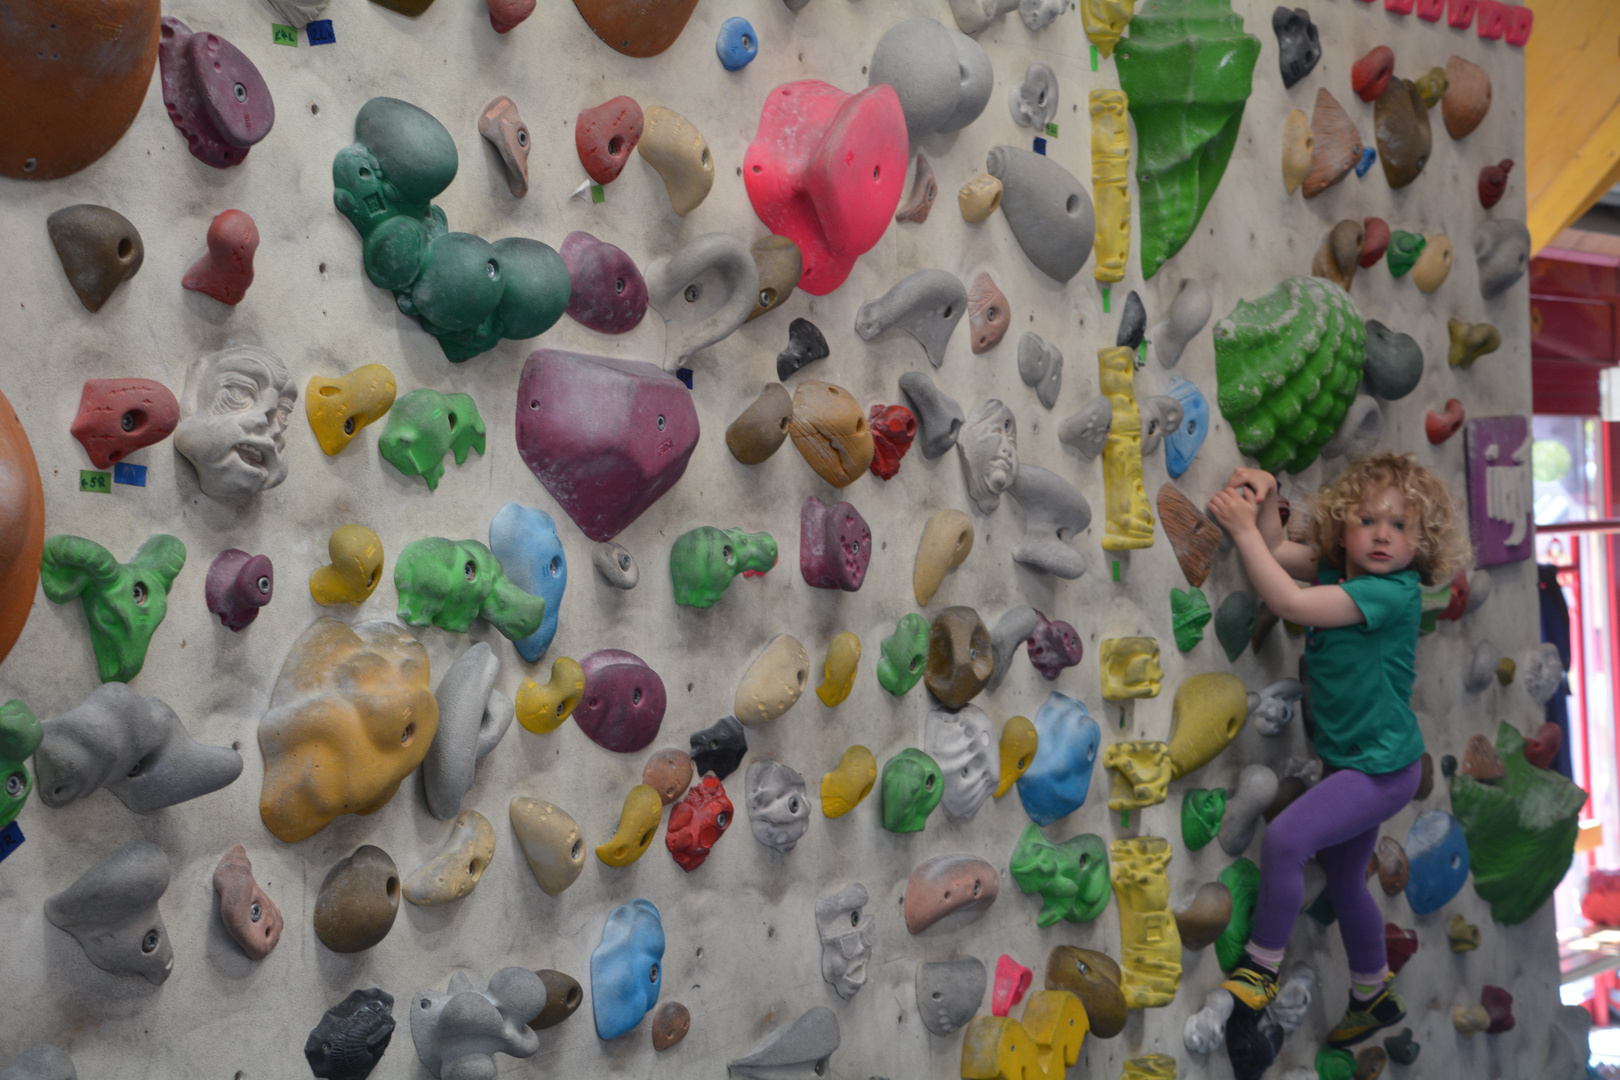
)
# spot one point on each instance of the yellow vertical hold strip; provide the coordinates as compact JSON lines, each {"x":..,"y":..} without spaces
{"x":1110,"y":156}
{"x":1130,"y":518}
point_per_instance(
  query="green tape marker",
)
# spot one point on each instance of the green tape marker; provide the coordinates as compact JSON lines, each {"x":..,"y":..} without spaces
{"x":99,"y":483}
{"x":288,"y":35}
{"x":1124,"y":815}
{"x":1094,"y":58}
{"x":1141,"y":355}
{"x":1105,"y":300}
{"x":1051,"y":130}
{"x":597,"y":194}
{"x":1116,"y":569}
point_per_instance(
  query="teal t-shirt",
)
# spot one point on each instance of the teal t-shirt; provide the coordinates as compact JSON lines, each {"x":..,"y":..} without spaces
{"x":1361,"y":676}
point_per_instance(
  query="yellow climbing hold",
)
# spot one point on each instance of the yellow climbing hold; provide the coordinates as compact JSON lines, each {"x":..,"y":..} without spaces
{"x":1130,"y":668}
{"x":1150,"y":953}
{"x":838,"y":677}
{"x":1130,"y":518}
{"x":543,"y":708}
{"x":1208,"y":713}
{"x":356,"y":567}
{"x":638,"y":824}
{"x":843,"y":789}
{"x":339,"y":408}
{"x":1019,"y":741}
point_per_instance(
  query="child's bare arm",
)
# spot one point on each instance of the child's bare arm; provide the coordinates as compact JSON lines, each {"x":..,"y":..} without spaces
{"x":1319,"y":605}
{"x":1298,"y":559}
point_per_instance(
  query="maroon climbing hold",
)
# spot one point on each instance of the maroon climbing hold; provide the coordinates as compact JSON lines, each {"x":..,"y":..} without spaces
{"x":227,"y":270}
{"x":607,"y":437}
{"x":835,"y":545}
{"x":214,"y":94}
{"x":119,"y":416}
{"x":608,"y":293}
{"x":505,"y":14}
{"x":623,"y":704}
{"x":1399,"y":945}
{"x":1493,"y":181}
{"x":1375,"y":233}
{"x":1054,"y":646}
{"x":1499,"y":1006}
{"x":239,"y":585}
{"x":893,"y":428}
{"x":1542,"y":747}
{"x":605,"y":135}
{"x":697,"y":822}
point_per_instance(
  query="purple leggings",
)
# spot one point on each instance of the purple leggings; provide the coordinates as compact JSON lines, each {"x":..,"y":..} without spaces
{"x":1337,"y":821}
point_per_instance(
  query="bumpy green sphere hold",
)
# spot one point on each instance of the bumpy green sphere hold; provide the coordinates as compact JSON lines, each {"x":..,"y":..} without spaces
{"x":703,"y":562}
{"x":903,"y":656}
{"x":1189,"y":614}
{"x":1201,"y":813}
{"x":1072,"y":877}
{"x":449,"y":583}
{"x":423,"y":426}
{"x":1287,"y":367}
{"x":911,"y":787}
{"x":1403,"y":251}
{"x":20,"y":735}
{"x":1242,"y":879}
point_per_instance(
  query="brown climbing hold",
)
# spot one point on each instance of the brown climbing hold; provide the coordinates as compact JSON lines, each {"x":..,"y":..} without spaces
{"x":507,"y":133}
{"x":605,"y":135}
{"x":64,"y":106}
{"x":1481,"y":761}
{"x":1425,"y":786}
{"x":1093,"y":977}
{"x":988,"y":313}
{"x":1340,"y":253}
{"x":778,"y":262}
{"x":1493,"y":180}
{"x":1193,"y":537}
{"x":637,"y":27}
{"x":1389,"y":863}
{"x":249,"y":915}
{"x":1401,"y":123}
{"x":563,"y":996}
{"x":99,"y":249}
{"x":831,"y":430}
{"x":948,"y":884}
{"x":761,"y":428}
{"x":412,"y":8}
{"x":668,"y":772}
{"x":960,"y":656}
{"x":358,"y":901}
{"x":1467,"y":98}
{"x":1204,"y":920}
{"x":670,"y":1024}
{"x":1370,"y":1062}
{"x":923,"y":193}
{"x":1336,"y":145}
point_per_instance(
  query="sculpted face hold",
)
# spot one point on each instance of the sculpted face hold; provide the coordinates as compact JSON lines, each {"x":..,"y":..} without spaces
{"x":965,"y":747}
{"x":847,"y":938}
{"x":234,"y":413}
{"x":988,"y":443}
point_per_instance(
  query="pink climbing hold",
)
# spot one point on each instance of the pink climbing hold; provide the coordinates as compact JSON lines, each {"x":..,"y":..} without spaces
{"x":1521,"y":20}
{"x":605,"y":135}
{"x":227,"y":270}
{"x":1460,"y":13}
{"x":119,"y":416}
{"x":505,"y":14}
{"x":1431,"y":10}
{"x":826,"y":170}
{"x":214,"y":94}
{"x":1012,"y":979}
{"x":1493,"y":19}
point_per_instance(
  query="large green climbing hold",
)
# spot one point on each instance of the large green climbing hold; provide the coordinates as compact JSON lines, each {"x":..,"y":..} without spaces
{"x":1287,"y":367}
{"x":1187,"y":70}
{"x":1521,"y":830}
{"x":1242,"y":879}
{"x":1201,"y":813}
{"x":123,"y":602}
{"x":1189,"y":613}
{"x":703,"y":562}
{"x":449,"y":583}
{"x":1072,"y":877}
{"x":911,"y":787}
{"x":463,"y":290}
{"x":20,"y":735}
{"x":423,"y":426}
{"x":904,"y":654}
{"x":1334,"y":1064}
{"x":1403,"y":251}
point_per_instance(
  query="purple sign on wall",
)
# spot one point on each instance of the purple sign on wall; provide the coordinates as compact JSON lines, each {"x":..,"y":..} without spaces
{"x":1500,"y":513}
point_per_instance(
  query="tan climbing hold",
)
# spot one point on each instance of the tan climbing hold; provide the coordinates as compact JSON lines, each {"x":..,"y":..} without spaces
{"x":832,"y":431}
{"x":979,"y":198}
{"x":551,"y":841}
{"x":946,"y":541}
{"x":675,"y":148}
{"x":455,"y":870}
{"x":773,"y":682}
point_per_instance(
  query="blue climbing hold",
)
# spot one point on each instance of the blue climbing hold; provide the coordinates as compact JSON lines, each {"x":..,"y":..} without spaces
{"x":1368,"y":156}
{"x":737,"y":43}
{"x":626,"y":968}
{"x":1181,"y":445}
{"x":526,"y":543}
{"x":1056,"y":782}
{"x":1437,"y":852}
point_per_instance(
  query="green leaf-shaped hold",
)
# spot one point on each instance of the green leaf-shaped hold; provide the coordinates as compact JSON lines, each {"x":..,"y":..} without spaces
{"x":1521,"y":830}
{"x":449,"y":583}
{"x":1189,"y":613}
{"x":1242,"y":879}
{"x":423,"y":426}
{"x":20,"y":735}
{"x":123,"y":602}
{"x":1287,"y":367}
{"x":1072,"y":877}
{"x":1187,"y":70}
{"x":1201,"y":813}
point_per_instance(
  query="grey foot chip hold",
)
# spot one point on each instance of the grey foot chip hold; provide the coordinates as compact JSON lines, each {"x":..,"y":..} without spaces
{"x":1161,"y":416}
{"x":1132,"y":322}
{"x":806,"y":345}
{"x":939,"y":418}
{"x":704,"y":292}
{"x":927,"y":305}
{"x":1054,"y":513}
{"x":1010,"y":631}
{"x":1047,"y":208}
{"x":458,"y":1032}
{"x":1189,"y":313}
{"x":1087,"y":430}
{"x":799,"y":1050}
{"x":1394,"y":361}
{"x":134,"y":747}
{"x":949,"y":992}
{"x":615,"y":563}
{"x":1502,"y":250}
{"x":473,"y":716}
{"x":113,"y":910}
{"x":1040,"y":366}
{"x":1034,"y":101}
{"x":942,"y":78}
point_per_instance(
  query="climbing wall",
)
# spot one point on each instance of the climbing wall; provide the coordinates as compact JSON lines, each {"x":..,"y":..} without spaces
{"x":742,"y":948}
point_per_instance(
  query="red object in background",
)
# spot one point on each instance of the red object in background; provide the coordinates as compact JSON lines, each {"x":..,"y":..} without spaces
{"x":1370,"y":74}
{"x":1499,"y":1004}
{"x":1376,"y":234}
{"x":1542,"y":747}
{"x":1400,"y":945}
{"x":1442,"y":426}
{"x":1431,"y":10}
{"x":1398,"y":7}
{"x":893,"y":428}
{"x":227,"y":270}
{"x":1573,"y":300}
{"x":604,"y":136}
{"x":505,"y":14}
{"x":119,"y":416}
{"x":1493,"y":19}
{"x":1521,"y":20}
{"x":1493,"y":181}
{"x":1459,"y":600}
{"x":1459,"y":13}
{"x":1601,"y":904}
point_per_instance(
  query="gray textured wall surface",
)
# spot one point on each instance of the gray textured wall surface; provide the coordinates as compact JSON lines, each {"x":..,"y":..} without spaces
{"x":742,"y":948}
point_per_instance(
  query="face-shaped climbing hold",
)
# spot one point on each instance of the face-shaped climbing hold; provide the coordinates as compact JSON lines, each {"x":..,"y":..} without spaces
{"x":233,"y":413}
{"x":703,"y":562}
{"x":704,"y":292}
{"x":358,"y":901}
{"x":960,"y":657}
{"x":1071,"y":877}
{"x":238,"y":585}
{"x":719,"y":748}
{"x":831,"y":431}
{"x":949,"y":992}
{"x":123,"y":602}
{"x":353,"y":1034}
{"x":847,"y":938}
{"x":356,"y":567}
{"x":773,"y":683}
{"x":525,"y":542}
{"x":350,"y":717}
{"x":226,"y":270}
{"x":449,"y":583}
{"x":1049,"y":213}
{"x":697,"y":822}
{"x":942,"y":78}
{"x":119,"y":416}
{"x":668,"y":772}
{"x":1056,"y":782}
{"x":99,"y":249}
{"x":924,"y":190}
{"x":904,"y":654}
{"x":638,"y":824}
{"x":504,"y":129}
{"x":825,"y":170}
{"x":249,"y":915}
{"x":456,"y":869}
{"x":112,"y":909}
{"x":552,"y":843}
{"x":1034,"y":101}
{"x":838,"y":674}
{"x":835,"y":545}
{"x":963,"y":745}
{"x":338,"y":408}
{"x":988,"y":445}
{"x":843,"y":789}
{"x":948,"y":884}
{"x":423,"y":426}
{"x":927,"y":305}
{"x":679,"y":154}
{"x":603,"y":466}
{"x":215,"y":96}
{"x":778,"y":810}
{"x":604,"y":136}
{"x":623,"y":705}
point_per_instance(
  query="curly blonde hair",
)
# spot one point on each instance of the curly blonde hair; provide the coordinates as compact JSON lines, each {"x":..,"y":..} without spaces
{"x":1440,"y":549}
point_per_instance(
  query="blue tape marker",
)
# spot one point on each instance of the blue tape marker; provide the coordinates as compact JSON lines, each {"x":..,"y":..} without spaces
{"x":133,"y":475}
{"x":11,"y":838}
{"x":1040,"y":146}
{"x":685,"y":375}
{"x":320,"y":32}
{"x":1368,"y":156}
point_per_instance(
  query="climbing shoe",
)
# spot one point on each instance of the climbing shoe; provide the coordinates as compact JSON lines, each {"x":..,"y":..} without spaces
{"x":1253,"y":986}
{"x":1363,"y":1018}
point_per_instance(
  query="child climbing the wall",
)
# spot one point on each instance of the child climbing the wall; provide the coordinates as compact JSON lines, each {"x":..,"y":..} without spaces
{"x":1383,"y":530}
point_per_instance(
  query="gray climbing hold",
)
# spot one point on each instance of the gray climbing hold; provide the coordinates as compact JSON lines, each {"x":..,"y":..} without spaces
{"x":113,"y":910}
{"x":1047,"y":208}
{"x":1040,"y":366}
{"x":135,"y":747}
{"x":1038,"y":14}
{"x":473,"y":716}
{"x":778,"y":809}
{"x":1035,"y":100}
{"x":1272,"y":708}
{"x":1189,"y":312}
{"x":949,"y":992}
{"x":1087,"y":430}
{"x":1010,"y":631}
{"x":1054,"y":513}
{"x":939,"y":418}
{"x":1394,"y":361}
{"x":1245,"y":807}
{"x":616,"y":565}
{"x":42,"y":1062}
{"x":847,"y":938}
{"x":806,"y":345}
{"x":458,"y":1032}
{"x":927,"y":305}
{"x":1502,"y":250}
{"x":704,"y":292}
{"x":988,"y":447}
{"x":1161,"y":416}
{"x":799,"y":1050}
{"x":1132,"y":323}
{"x":943,"y":78}
{"x":973,"y":16}
{"x":1359,"y":433}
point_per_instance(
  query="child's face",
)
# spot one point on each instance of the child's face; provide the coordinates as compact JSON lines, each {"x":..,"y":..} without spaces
{"x":1378,"y":538}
